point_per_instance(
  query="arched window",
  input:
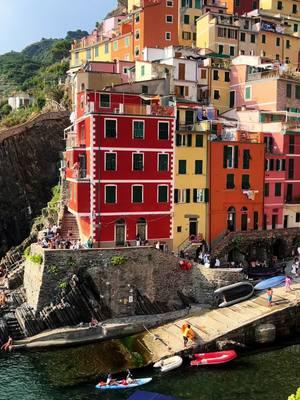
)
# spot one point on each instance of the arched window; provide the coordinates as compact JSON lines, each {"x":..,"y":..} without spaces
{"x":244,"y":218}
{"x":141,"y":229}
{"x":120,"y":232}
{"x":231,"y":219}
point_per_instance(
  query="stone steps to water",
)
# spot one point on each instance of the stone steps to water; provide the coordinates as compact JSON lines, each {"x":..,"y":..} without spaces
{"x":69,"y":227}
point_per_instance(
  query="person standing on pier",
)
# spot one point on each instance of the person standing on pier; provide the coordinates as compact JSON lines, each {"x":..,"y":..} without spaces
{"x":288,"y":281}
{"x":187,"y":333}
{"x":270,"y":296}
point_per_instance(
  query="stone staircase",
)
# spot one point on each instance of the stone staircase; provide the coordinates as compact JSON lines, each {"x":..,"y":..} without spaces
{"x":69,"y":228}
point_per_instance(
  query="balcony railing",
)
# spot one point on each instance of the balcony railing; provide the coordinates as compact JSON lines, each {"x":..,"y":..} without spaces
{"x":134,"y":109}
{"x":273,"y":74}
{"x":201,"y":126}
{"x":72,"y":141}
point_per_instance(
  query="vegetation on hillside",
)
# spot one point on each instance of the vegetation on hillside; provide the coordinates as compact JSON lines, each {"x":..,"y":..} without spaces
{"x":295,"y":396}
{"x":36,"y":70}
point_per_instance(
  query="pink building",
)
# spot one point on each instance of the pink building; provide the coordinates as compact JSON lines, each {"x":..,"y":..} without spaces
{"x":263,"y":86}
{"x":114,"y":67}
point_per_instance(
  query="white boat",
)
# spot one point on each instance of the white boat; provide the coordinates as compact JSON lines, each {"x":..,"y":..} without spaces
{"x":168,"y":364}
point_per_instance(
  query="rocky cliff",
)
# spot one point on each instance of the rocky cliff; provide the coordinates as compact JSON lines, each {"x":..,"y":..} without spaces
{"x":29,"y":163}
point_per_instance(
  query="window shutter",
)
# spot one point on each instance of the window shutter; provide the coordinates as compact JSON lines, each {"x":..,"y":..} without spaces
{"x":194,"y":195}
{"x":236,"y":156}
{"x":283,"y":165}
{"x":188,"y":195}
{"x":225,"y":155}
{"x":176,"y":196}
{"x":189,"y":140}
{"x":206,"y":195}
{"x":178,"y":140}
{"x":271,"y":164}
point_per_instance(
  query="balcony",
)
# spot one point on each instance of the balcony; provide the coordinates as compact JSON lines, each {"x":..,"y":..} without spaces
{"x":201,"y":126}
{"x":137,"y":109}
{"x":271,"y":74}
{"x":72,"y":141}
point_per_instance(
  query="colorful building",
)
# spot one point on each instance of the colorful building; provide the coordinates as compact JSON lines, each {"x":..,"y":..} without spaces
{"x":191,"y":179}
{"x":120,"y":168}
{"x":236,"y":183}
{"x":264,"y":86}
{"x":241,"y":7}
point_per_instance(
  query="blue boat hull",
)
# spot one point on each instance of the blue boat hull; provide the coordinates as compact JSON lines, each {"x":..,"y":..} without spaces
{"x":138,"y":382}
{"x":270,"y":283}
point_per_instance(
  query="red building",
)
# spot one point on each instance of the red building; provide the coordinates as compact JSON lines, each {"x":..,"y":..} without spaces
{"x":119,"y":162}
{"x":241,"y":7}
{"x":236,"y":185}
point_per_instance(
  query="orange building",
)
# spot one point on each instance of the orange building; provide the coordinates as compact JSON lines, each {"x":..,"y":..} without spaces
{"x":149,"y":23}
{"x":236,"y":164}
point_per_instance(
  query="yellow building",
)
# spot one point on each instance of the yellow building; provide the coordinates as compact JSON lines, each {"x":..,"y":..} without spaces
{"x":95,"y":52}
{"x":291,"y":215}
{"x":187,"y":21}
{"x":284,"y":7}
{"x":190,"y":194}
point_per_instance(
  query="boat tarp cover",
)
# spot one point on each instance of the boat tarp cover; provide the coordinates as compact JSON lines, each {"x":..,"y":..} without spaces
{"x":141,"y":395}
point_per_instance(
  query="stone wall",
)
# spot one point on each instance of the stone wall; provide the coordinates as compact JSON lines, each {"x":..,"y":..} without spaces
{"x":146,"y":275}
{"x":29,"y":161}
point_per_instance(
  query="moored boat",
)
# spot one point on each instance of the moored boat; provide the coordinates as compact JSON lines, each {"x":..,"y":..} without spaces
{"x":235,"y":293}
{"x":270,"y":283}
{"x":168,"y":364}
{"x":120,"y":384}
{"x":214,"y":358}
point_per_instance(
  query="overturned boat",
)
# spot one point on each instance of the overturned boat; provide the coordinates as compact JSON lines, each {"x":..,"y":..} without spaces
{"x":233,"y":294}
{"x":168,"y":364}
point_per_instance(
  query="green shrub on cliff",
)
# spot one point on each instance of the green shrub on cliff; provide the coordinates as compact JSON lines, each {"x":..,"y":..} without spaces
{"x":117,"y":260}
{"x":295,"y":396}
{"x":54,"y":202}
{"x":34,"y":258}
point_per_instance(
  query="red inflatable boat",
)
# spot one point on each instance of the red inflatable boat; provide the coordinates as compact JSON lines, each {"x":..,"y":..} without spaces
{"x":218,"y":357}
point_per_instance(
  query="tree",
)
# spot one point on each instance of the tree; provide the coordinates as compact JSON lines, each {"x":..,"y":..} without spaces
{"x":295,"y":396}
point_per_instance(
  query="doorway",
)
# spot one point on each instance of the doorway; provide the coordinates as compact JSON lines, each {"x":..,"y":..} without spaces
{"x":231,"y":219}
{"x":142,"y":229}
{"x":193,"y":227}
{"x":274,"y":221}
{"x":120,"y":232}
{"x":286,"y":221}
{"x":244,"y":219}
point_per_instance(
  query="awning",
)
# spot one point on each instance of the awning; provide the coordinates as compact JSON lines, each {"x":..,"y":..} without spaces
{"x":150,"y":396}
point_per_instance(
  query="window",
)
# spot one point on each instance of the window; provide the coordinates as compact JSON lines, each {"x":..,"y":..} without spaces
{"x":221,"y":49}
{"x":199,"y":140}
{"x":297,"y":216}
{"x":297,"y":92}
{"x":248,"y":92}
{"x":127,"y":42}
{"x":142,"y":70}
{"x":291,"y":169}
{"x":230,"y":181}
{"x":110,"y":128}
{"x":216,"y":94}
{"x":169,"y":19}
{"x":198,"y":195}
{"x":280,"y":165}
{"x":292,"y":144}
{"x":138,"y":162}
{"x":243,"y":37}
{"x":186,"y":19}
{"x":263,"y":39}
{"x":137,"y":34}
{"x":138,"y":129}
{"x":246,"y":159}
{"x":137,"y":51}
{"x":294,"y":9}
{"x":227,"y":76}
{"x":295,"y":27}
{"x":289,"y":192}
{"x":198,"y":167}
{"x":232,"y":98}
{"x":216,"y":75}
{"x":163,"y":162}
{"x":277,"y":57}
{"x":181,"y":167}
{"x":144,"y":89}
{"x":287,"y":44}
{"x":288,"y":90}
{"x":163,"y":193}
{"x":168,"y":36}
{"x":245,"y":182}
{"x":104,"y":100}
{"x":230,"y":157}
{"x":186,"y":35}
{"x":110,"y":161}
{"x":203,"y":73}
{"x":169,"y":3}
{"x":252,"y":38}
{"x":137,"y":18}
{"x":115,"y":45}
{"x":163,"y":130}
{"x":198,"y":4}
{"x":267,"y":190}
{"x":179,"y":229}
{"x":137,"y":194}
{"x":246,"y":26}
{"x":237,"y":3}
{"x":277,"y":189}
{"x":88,"y":54}
{"x":110,"y":194}
{"x":277,"y":41}
{"x":279,"y":5}
{"x":232,"y":50}
{"x":106,"y":48}
{"x":222,"y":32}
{"x":97,"y":51}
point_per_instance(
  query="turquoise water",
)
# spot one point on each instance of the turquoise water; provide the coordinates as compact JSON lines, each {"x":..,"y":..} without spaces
{"x":266,"y":376}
